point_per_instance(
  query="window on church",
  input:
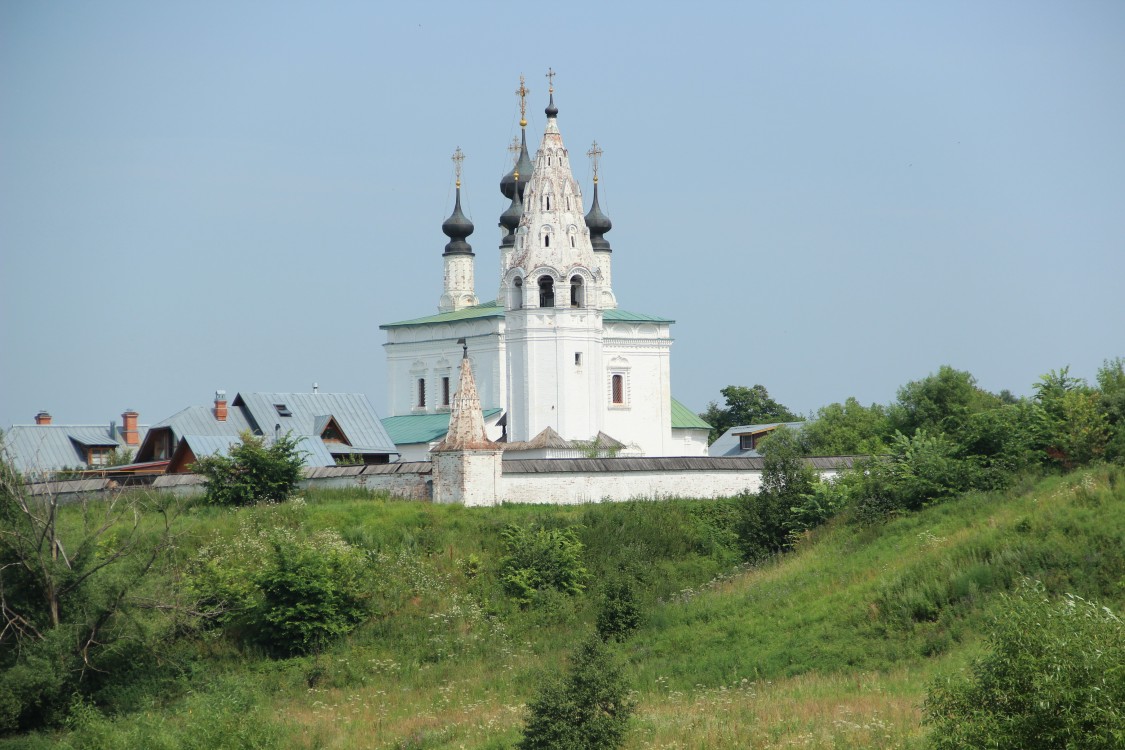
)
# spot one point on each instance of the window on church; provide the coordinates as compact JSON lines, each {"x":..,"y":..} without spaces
{"x":546,"y":240}
{"x":546,"y":291}
{"x":572,"y":240}
{"x":578,"y":358}
{"x":618,"y":389}
{"x":576,"y":291}
{"x":517,"y":294}
{"x":421,"y":392}
{"x":547,"y":198}
{"x":445,"y":391}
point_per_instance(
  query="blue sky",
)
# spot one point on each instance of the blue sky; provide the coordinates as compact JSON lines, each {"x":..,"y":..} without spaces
{"x":831,"y":199}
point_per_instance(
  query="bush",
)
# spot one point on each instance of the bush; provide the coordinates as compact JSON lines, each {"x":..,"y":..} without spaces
{"x":536,"y":558}
{"x":588,"y":710}
{"x":281,"y":590}
{"x":253,"y":472}
{"x":620,"y":614}
{"x":1054,"y":678}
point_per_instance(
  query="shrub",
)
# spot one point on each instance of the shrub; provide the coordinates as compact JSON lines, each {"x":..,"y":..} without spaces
{"x":620,"y":614}
{"x":1054,"y":678}
{"x":253,"y":472}
{"x":587,"y":710}
{"x":536,"y":558}
{"x":282,"y":590}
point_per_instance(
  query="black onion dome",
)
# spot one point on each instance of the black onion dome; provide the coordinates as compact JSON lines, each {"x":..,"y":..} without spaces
{"x":523,"y":166}
{"x":510,"y":219}
{"x":552,"y":111}
{"x":457,"y":227}
{"x":598,"y":224}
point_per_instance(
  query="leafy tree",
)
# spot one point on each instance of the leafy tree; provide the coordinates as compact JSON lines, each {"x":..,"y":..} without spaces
{"x":942,"y":402}
{"x":253,"y":472}
{"x":1000,"y":443}
{"x":536,"y":558}
{"x":1053,"y":678}
{"x":589,"y":709}
{"x":744,"y":406}
{"x":68,"y":579}
{"x":1111,"y":383}
{"x":847,"y":429}
{"x":1074,"y":429}
{"x":766,"y":519}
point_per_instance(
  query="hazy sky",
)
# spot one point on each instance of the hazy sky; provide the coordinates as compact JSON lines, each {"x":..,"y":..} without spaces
{"x":831,"y":199}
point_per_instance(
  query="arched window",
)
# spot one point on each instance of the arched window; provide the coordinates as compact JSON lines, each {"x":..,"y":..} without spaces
{"x":546,"y":291}
{"x":618,"y":388}
{"x":572,"y":240}
{"x":517,"y":294}
{"x":548,"y":198}
{"x":422,"y":392}
{"x":576,"y":295}
{"x":546,"y":240}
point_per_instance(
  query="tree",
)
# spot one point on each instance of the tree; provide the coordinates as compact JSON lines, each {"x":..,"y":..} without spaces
{"x":847,"y":429}
{"x":766,"y":519}
{"x":942,"y":402}
{"x":1111,"y":383}
{"x":68,"y":578}
{"x":587,"y":710}
{"x":1074,"y":429}
{"x":1053,"y":678}
{"x":253,"y":472}
{"x":744,"y":406}
{"x":536,"y":558}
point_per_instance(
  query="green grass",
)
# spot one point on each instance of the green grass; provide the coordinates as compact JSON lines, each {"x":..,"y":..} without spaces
{"x":831,"y":645}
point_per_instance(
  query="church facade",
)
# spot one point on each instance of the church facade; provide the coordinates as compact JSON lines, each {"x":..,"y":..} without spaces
{"x":561,"y":370}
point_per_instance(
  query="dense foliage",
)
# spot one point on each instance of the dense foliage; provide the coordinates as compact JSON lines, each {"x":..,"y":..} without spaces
{"x":589,"y":709}
{"x":538,"y":559}
{"x":253,"y":472}
{"x":744,"y":406}
{"x":1054,"y":677}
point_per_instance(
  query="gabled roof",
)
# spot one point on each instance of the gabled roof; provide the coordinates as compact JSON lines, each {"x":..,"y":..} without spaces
{"x":412,"y":429}
{"x":40,"y":447}
{"x":494,"y":309}
{"x":684,"y":418}
{"x":299,"y":413}
{"x":313,"y":450}
{"x":729,"y":443}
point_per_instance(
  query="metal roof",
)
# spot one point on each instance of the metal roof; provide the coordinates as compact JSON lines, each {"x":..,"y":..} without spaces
{"x":495,"y":310}
{"x":352,"y":412}
{"x":684,"y":418}
{"x":412,"y":429}
{"x":728,"y":444}
{"x":491,"y":309}
{"x":36,"y":448}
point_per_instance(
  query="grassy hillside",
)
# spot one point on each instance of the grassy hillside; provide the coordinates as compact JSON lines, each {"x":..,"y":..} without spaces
{"x":831,"y":645}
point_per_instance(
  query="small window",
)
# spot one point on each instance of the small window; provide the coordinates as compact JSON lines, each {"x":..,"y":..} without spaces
{"x":572,"y":240}
{"x":282,"y":410}
{"x":546,"y":291}
{"x":546,"y":240}
{"x":578,"y":359}
{"x":618,"y":383}
{"x":517,"y":294}
{"x":421,"y":392}
{"x":445,"y":391}
{"x":548,"y":198}
{"x":98,"y":456}
{"x":746,"y":442}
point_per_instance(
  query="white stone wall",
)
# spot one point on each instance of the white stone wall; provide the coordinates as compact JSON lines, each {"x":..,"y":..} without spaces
{"x":432,"y":352}
{"x":571,"y":488}
{"x":641,"y":353}
{"x":470,"y":477}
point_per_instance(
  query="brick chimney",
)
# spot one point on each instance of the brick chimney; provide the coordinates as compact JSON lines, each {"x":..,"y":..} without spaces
{"x":43,"y":417}
{"x":221,"y":406}
{"x":129,"y":427}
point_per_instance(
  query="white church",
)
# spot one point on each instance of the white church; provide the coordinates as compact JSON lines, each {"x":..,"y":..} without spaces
{"x":560,"y":369}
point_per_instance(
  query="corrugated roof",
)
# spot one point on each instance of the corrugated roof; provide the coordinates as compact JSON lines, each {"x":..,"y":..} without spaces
{"x":495,"y":310}
{"x":352,"y":411}
{"x":36,"y":448}
{"x":684,"y":418}
{"x":412,"y":429}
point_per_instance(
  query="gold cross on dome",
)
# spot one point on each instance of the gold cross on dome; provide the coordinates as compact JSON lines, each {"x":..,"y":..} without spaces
{"x":595,"y":153}
{"x":514,"y":148}
{"x":551,"y":80}
{"x":458,"y":157}
{"x":522,"y":93}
